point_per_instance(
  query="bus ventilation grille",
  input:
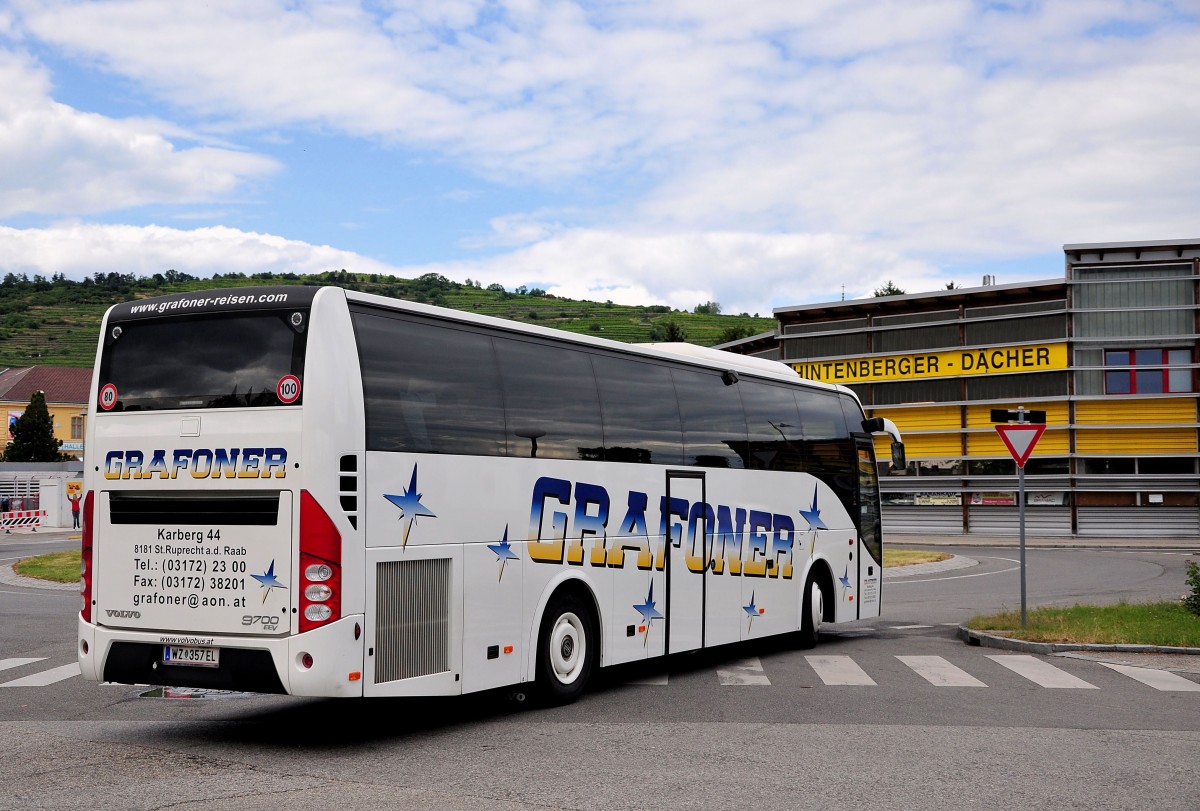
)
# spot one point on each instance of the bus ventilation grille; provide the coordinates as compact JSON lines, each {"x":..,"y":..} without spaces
{"x":348,"y":487}
{"x":412,"y":610}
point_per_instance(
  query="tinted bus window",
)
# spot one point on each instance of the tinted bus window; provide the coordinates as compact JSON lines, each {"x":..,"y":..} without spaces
{"x":714,"y":425}
{"x":240,"y":361}
{"x":640,"y":410}
{"x":827,"y":449}
{"x":553,"y":411}
{"x":428,"y":388}
{"x":774,"y":427}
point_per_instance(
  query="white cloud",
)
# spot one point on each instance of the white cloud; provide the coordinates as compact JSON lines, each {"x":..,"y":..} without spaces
{"x":81,"y":250}
{"x":58,"y":160}
{"x":745,"y":272}
{"x":777,"y":149}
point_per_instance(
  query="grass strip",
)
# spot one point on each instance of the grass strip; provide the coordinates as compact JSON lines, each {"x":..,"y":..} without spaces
{"x":907,"y":557}
{"x":61,"y":567}
{"x":1163,"y":623}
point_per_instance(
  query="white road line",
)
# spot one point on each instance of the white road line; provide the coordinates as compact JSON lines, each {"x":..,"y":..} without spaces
{"x":46,"y":677}
{"x":743,"y":672}
{"x":907,"y":627}
{"x":839,"y":670}
{"x":5,"y":664}
{"x":1040,"y":672}
{"x":940,"y":673}
{"x":1158,"y":679}
{"x":902,"y":581}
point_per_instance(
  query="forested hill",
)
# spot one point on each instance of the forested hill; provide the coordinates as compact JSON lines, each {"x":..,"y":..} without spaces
{"x":57,"y":321}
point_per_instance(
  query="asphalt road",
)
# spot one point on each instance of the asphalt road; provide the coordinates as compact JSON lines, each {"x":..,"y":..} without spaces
{"x":760,"y":727}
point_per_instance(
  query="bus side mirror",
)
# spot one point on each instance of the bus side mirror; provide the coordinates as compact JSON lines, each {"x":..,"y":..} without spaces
{"x":873,"y":425}
{"x":898,"y":460}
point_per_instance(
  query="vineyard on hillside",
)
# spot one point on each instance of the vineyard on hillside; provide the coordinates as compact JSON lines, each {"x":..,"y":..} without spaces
{"x":56,"y":321}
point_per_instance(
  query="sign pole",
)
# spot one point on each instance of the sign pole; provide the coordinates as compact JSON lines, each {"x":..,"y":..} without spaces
{"x":1019,"y":436}
{"x":1021,"y":520}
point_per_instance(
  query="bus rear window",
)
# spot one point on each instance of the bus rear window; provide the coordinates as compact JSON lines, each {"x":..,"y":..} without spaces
{"x":244,"y":360}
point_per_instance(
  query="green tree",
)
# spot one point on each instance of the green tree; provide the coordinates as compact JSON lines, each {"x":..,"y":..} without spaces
{"x":889,"y":289}
{"x":708,"y":308}
{"x":734,"y":333}
{"x":33,"y":435}
{"x":668,"y":331}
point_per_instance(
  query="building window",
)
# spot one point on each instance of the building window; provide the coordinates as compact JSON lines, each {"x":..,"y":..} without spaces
{"x":1147,"y":371}
{"x":76,"y":427}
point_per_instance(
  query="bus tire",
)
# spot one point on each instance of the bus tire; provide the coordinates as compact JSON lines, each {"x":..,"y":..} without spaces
{"x":812,"y":611}
{"x":567,"y":649}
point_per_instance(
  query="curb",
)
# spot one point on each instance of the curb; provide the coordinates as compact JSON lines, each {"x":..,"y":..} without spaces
{"x":915,"y":569}
{"x":9,"y":577}
{"x":972,"y":637}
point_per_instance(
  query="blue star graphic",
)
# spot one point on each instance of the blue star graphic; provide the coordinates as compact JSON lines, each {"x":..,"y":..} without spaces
{"x":813,"y":515}
{"x":845,"y":578}
{"x":649,"y":612}
{"x":410,"y":505}
{"x":268,"y":581}
{"x":752,"y":610}
{"x":503,"y":552}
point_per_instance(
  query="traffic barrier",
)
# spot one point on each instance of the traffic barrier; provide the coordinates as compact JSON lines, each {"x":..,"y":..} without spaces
{"x":22,"y":519}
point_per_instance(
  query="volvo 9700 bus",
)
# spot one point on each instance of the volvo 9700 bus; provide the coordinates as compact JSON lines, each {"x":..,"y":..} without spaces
{"x":319,"y":492}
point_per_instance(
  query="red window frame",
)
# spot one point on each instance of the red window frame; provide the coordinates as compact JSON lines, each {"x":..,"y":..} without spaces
{"x":1130,"y":369}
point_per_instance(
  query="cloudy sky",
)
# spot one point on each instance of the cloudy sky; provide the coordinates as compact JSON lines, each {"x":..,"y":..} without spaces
{"x":759,"y":153}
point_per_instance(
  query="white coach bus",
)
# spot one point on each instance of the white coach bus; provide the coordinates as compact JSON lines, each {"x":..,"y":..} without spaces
{"x":319,"y":492}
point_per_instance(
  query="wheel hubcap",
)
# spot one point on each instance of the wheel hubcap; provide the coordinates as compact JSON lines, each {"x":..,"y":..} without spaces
{"x":815,"y":607}
{"x":568,"y":648}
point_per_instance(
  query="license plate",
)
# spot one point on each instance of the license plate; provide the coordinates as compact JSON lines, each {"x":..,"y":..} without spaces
{"x":192,"y":657}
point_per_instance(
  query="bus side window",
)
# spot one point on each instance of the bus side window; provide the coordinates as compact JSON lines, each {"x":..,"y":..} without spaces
{"x":714,"y":423}
{"x":774,"y":426}
{"x":640,"y":410}
{"x":426,"y":389}
{"x":550,"y":399}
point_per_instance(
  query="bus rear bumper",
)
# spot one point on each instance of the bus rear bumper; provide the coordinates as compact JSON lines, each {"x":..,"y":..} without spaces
{"x":327,"y":661}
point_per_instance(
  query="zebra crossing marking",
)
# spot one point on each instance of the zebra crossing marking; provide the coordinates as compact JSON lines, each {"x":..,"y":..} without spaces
{"x":833,"y":670}
{"x":46,"y":677}
{"x":1163,"y":680}
{"x":5,"y":664}
{"x":940,"y":673}
{"x":840,"y":670}
{"x":743,"y":672}
{"x":1041,"y":673}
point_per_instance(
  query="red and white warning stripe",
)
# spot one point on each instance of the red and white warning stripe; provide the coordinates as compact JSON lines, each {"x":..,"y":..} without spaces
{"x":21,"y":519}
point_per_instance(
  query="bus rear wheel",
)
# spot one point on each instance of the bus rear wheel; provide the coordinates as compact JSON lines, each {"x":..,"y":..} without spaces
{"x":812,"y":611}
{"x":567,"y":649}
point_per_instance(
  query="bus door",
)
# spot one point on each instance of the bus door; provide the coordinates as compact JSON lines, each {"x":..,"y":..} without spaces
{"x":685,"y":518}
{"x":870,"y":532}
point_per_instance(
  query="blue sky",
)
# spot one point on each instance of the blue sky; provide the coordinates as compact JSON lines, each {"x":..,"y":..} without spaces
{"x":759,"y":154}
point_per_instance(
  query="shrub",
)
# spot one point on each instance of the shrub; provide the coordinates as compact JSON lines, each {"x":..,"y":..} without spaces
{"x":1192,"y":601}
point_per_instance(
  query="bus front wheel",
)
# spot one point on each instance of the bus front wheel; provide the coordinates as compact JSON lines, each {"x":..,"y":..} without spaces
{"x":567,"y":649}
{"x":812,"y":611}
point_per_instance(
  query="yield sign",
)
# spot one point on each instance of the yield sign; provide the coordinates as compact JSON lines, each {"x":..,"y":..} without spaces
{"x":1020,"y":438}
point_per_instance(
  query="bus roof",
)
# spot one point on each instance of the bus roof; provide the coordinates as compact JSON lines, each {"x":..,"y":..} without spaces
{"x":678,"y":352}
{"x":280,"y":296}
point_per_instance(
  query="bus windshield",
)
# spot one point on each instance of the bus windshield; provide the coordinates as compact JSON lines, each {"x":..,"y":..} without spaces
{"x":241,"y":360}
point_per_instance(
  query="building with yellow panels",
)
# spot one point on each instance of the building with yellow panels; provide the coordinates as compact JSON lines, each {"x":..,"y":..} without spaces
{"x":1109,"y":352}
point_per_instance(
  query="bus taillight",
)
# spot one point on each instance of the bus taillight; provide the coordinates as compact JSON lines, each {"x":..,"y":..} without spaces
{"x":85,"y":550}
{"x":320,"y":565}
